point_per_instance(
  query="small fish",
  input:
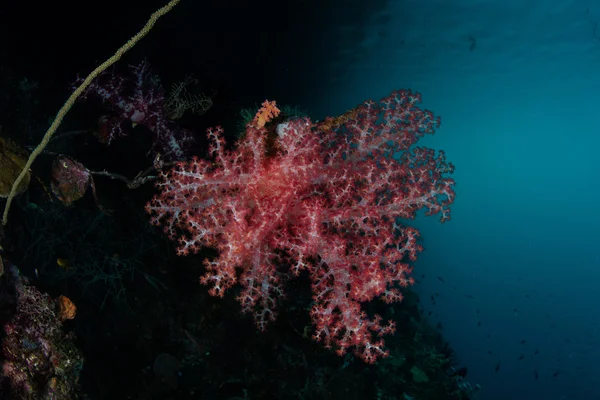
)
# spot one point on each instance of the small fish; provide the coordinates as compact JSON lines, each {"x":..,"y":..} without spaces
{"x":479,"y":323}
{"x":473,"y":44}
{"x":63,"y":263}
{"x":194,"y":341}
{"x":536,"y":352}
{"x":497,"y":367}
{"x":523,"y":341}
{"x":554,"y":375}
{"x":522,"y":356}
{"x":441,"y":279}
{"x":535,"y":374}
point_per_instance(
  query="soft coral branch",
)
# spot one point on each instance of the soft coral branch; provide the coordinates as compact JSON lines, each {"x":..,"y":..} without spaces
{"x":326,"y":201}
{"x":138,"y":99}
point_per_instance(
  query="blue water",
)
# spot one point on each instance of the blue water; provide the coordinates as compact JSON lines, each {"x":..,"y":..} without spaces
{"x":517,"y":84}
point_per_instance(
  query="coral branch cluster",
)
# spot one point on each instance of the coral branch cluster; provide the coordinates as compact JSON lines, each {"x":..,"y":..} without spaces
{"x":139,"y":99}
{"x":326,"y":198}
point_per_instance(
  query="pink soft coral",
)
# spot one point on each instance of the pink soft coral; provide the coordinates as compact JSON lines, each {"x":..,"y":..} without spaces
{"x":326,"y":198}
